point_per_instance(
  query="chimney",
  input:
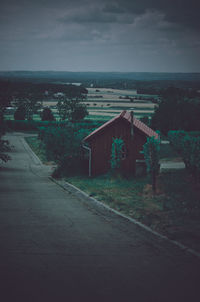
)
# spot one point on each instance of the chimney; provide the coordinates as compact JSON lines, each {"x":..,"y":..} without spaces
{"x":132,"y":133}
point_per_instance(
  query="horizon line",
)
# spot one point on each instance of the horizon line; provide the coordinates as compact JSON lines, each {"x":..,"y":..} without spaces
{"x":81,"y":71}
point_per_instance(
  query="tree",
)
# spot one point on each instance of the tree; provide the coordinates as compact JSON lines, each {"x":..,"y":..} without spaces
{"x":151,"y":154}
{"x":20,"y":113}
{"x":176,"y":112}
{"x":79,"y":112}
{"x":47,"y":115}
{"x":31,"y":103}
{"x":71,"y":109}
{"x":63,"y":145}
{"x":188,"y":146}
{"x":63,"y":108}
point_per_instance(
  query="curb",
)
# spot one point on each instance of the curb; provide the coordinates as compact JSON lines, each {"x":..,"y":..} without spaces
{"x":80,"y":194}
{"x":33,"y":156}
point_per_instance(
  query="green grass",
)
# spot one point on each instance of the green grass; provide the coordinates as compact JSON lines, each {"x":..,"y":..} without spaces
{"x":37,"y":147}
{"x":98,"y":118}
{"x":175,"y":207}
{"x":124,"y":195}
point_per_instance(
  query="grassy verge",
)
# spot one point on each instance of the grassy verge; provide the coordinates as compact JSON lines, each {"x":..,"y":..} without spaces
{"x":37,"y":147}
{"x":124,"y":195}
{"x":174,"y":211}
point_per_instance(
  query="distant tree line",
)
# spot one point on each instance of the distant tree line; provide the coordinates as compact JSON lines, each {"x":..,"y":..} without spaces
{"x":17,"y":88}
{"x":28,"y":97}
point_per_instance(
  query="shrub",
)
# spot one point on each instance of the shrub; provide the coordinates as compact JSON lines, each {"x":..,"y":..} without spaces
{"x":63,"y":145}
{"x":188,"y":145}
{"x":176,"y":139}
{"x":47,"y":115}
{"x":68,"y":166}
{"x":20,"y":113}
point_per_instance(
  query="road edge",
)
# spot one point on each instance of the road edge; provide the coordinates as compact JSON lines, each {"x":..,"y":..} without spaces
{"x":81,"y":194}
{"x":32,"y":154}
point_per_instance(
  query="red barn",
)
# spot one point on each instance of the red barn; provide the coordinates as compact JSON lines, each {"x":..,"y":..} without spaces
{"x":99,"y":143}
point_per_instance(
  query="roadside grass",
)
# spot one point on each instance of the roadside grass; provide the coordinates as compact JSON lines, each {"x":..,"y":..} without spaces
{"x":37,"y":147}
{"x":124,"y":195}
{"x":173,"y":211}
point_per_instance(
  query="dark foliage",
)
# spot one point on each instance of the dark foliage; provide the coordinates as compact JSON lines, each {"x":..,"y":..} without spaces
{"x":79,"y":112}
{"x":177,"y":112}
{"x":20,"y":113}
{"x":47,"y":115}
{"x":42,"y":90}
{"x":63,"y":145}
{"x":188,"y":146}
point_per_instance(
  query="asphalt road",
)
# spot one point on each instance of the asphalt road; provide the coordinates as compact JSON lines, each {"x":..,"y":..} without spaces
{"x":56,"y":247}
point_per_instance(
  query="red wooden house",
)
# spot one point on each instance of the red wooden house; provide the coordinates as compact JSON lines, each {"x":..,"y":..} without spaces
{"x":99,"y":143}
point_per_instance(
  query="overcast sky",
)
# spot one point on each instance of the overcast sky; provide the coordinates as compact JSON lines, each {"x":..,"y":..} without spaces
{"x":106,"y":35}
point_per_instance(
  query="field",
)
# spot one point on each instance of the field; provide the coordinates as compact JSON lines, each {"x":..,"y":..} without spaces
{"x":110,"y":102}
{"x":105,"y":103}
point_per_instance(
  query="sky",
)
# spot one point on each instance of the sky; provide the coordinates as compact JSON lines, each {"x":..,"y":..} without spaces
{"x":106,"y":35}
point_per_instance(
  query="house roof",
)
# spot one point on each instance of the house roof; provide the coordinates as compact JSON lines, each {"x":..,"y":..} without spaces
{"x":126,"y":116}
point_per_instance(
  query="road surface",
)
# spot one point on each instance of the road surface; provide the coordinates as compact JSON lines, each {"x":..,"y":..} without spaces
{"x":55,"y":247}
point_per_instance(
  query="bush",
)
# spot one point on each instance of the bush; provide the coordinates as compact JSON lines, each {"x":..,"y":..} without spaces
{"x":79,"y":112}
{"x":63,"y":145}
{"x":175,"y":111}
{"x":176,"y":138}
{"x":189,"y":148}
{"x":20,"y":113}
{"x":69,"y":166}
{"x":47,"y":115}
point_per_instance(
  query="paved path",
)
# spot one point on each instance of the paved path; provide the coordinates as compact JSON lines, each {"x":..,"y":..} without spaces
{"x":55,"y":247}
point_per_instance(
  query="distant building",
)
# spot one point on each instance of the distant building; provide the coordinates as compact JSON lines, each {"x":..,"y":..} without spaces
{"x":99,"y":143}
{"x":59,"y":94}
{"x":75,"y":84}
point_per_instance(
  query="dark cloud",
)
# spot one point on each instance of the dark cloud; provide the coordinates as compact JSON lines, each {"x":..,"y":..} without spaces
{"x":88,"y":15}
{"x":113,"y":9}
{"x":121,"y":35}
{"x":182,"y":12}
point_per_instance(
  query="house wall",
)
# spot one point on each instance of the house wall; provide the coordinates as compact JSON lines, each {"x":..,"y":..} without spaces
{"x":101,"y":145}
